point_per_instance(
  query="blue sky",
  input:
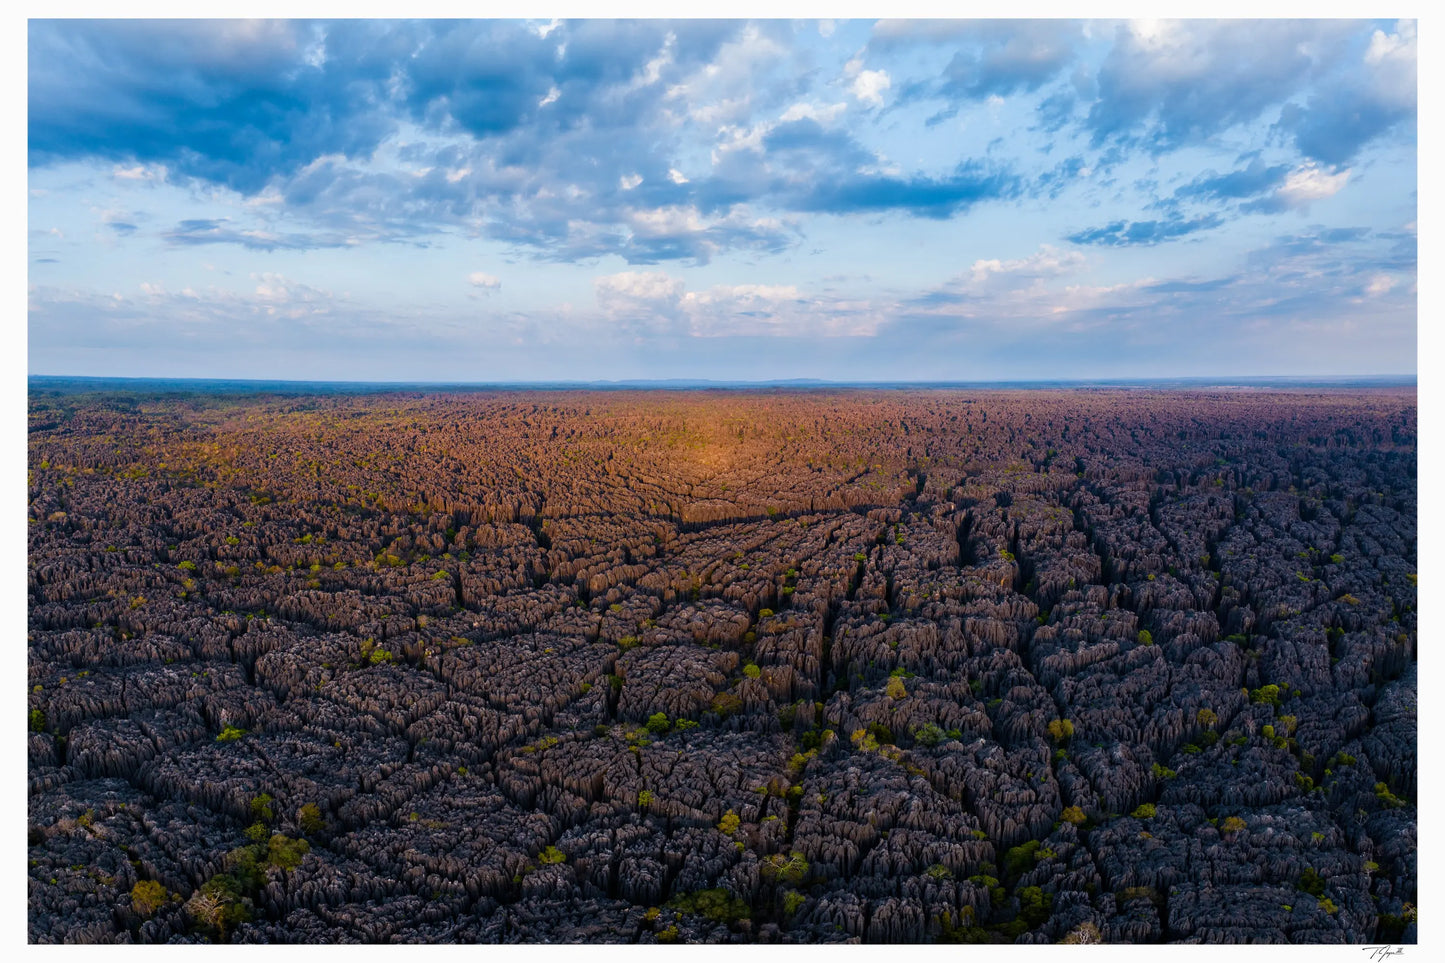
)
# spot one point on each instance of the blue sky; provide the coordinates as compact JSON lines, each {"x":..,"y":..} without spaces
{"x":510,"y":200}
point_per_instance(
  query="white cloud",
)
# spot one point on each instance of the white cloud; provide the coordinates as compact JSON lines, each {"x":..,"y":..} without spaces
{"x":628,"y":289}
{"x":1379,"y":284}
{"x":869,"y":85}
{"x":1394,"y":58}
{"x":654,"y":300}
{"x":155,"y":174}
{"x":722,"y":92}
{"x":1047,"y":262}
{"x":667,"y":221}
{"x":1311,"y":183}
{"x":628,"y":181}
{"x":805,"y":111}
{"x":739,"y":138}
{"x":652,"y":72}
{"x":481,"y":279}
{"x":776,"y":310}
{"x":551,"y":97}
{"x":676,"y":176}
{"x":269,"y":197}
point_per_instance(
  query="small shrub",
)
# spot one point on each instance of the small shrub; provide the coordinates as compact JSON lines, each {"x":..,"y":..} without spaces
{"x":1085,"y":934}
{"x":658,"y":723}
{"x":1232,"y":824}
{"x":551,"y":856}
{"x":726,"y":703}
{"x":1143,"y":811}
{"x":286,"y":853}
{"x":147,"y":896}
{"x":1021,"y":858}
{"x":929,"y":735}
{"x":729,"y":823}
{"x":791,"y":869}
{"x":718,"y":905}
{"x":230,"y":734}
{"x":1073,"y":814}
{"x":261,"y":808}
{"x":1034,"y":906}
{"x":309,"y":818}
{"x":752,"y":671}
{"x":1061,"y":730}
{"x":895,"y":688}
{"x":1265,"y":695}
{"x":1145,"y":638}
{"x":1383,"y":794}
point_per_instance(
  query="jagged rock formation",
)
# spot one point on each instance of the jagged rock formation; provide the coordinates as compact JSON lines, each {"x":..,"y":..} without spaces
{"x":747,"y":667}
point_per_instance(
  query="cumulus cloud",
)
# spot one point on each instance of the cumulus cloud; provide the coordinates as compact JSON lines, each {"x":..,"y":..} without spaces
{"x":1360,"y":105}
{"x":144,"y":173}
{"x":570,"y":143}
{"x":1047,"y":262}
{"x":485,"y":281}
{"x":802,"y":110}
{"x":656,"y":302}
{"x":1171,"y":83}
{"x":868,"y":87}
{"x":1265,"y":188}
{"x":1311,"y":183}
{"x":629,"y":288}
{"x":1000,"y":58}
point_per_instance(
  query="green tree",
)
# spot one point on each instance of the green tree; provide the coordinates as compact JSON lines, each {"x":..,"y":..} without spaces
{"x":309,"y":818}
{"x":147,"y":896}
{"x":929,"y":734}
{"x":261,"y":808}
{"x":285,"y":852}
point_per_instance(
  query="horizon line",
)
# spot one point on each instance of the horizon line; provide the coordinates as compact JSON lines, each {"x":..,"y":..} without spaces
{"x":1222,"y":380}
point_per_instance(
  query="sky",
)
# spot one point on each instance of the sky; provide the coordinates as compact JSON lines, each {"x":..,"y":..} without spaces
{"x":735,"y":200}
